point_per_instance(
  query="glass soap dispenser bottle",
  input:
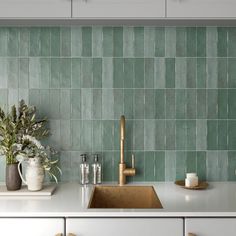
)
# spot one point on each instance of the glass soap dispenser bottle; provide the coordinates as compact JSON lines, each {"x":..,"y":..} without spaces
{"x":97,"y":171}
{"x":84,"y":170}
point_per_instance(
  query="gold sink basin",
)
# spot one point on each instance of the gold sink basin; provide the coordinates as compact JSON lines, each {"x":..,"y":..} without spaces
{"x":124,"y":197}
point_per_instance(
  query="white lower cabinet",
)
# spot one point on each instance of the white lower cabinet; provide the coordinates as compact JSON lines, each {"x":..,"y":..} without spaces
{"x":31,"y":226}
{"x":210,"y":227}
{"x":125,"y":227}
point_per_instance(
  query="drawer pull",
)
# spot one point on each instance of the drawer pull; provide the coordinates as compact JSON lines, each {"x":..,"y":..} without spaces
{"x":70,"y":234}
{"x":191,"y":234}
{"x":59,"y":235}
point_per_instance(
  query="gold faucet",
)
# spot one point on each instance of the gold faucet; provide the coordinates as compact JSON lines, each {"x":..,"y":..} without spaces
{"x":123,"y":171}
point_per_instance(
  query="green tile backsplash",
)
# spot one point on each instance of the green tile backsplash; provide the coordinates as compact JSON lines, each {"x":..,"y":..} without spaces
{"x":175,"y":85}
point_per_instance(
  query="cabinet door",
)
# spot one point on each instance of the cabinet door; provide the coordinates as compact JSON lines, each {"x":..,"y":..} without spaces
{"x":125,"y":227}
{"x":201,"y":8}
{"x":210,"y":227}
{"x":118,"y":8}
{"x":35,"y":8}
{"x":31,"y":226}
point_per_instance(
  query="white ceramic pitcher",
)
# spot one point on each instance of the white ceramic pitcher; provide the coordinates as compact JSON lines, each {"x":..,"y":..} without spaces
{"x":34,"y":174}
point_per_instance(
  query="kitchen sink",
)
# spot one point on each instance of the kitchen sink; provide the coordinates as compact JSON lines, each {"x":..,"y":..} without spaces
{"x":124,"y":197}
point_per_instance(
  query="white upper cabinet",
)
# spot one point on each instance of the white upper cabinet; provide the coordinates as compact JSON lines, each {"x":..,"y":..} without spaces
{"x":210,"y":227}
{"x":124,"y":227}
{"x":201,"y":8}
{"x":118,"y":8}
{"x":35,"y":8}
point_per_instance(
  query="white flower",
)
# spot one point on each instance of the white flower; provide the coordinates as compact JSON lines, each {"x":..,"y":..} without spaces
{"x":33,"y":140}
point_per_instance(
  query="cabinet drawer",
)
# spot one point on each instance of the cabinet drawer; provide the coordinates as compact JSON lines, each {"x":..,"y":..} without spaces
{"x":118,"y":8}
{"x":201,"y":8}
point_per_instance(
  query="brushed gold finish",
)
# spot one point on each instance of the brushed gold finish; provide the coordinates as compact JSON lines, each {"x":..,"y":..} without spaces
{"x":70,"y":234}
{"x":59,"y":235}
{"x":191,"y":234}
{"x":124,"y":197}
{"x":123,"y":171}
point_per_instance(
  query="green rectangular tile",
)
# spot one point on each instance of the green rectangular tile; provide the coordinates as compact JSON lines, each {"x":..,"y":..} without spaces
{"x":201,"y":41}
{"x":231,"y":165}
{"x":212,"y":104}
{"x":170,"y":135}
{"x":212,"y":135}
{"x":181,"y":135}
{"x":140,"y":164}
{"x":159,"y":70}
{"x":3,"y":99}
{"x":191,"y":135}
{"x":97,"y":41}
{"x":55,"y":41}
{"x":201,"y":104}
{"x":181,"y":164}
{"x":129,"y":129}
{"x":160,"y":98}
{"x":75,"y":104}
{"x":86,"y":41}
{"x":170,"y":104}
{"x":222,"y":135}
{"x":34,"y":72}
{"x":97,"y":135}
{"x":97,"y":73}
{"x":55,"y":128}
{"x":191,"y":110}
{"x":128,"y":44}
{"x":231,"y":135}
{"x":201,"y":73}
{"x":55,"y":73}
{"x":65,"y":104}
{"x":160,"y":42}
{"x":191,"y":162}
{"x":44,"y":98}
{"x":45,"y":41}
{"x":75,"y":72}
{"x":180,"y":72}
{"x":211,"y":41}
{"x":149,"y":166}
{"x":3,"y":41}
{"x":65,"y":75}
{"x":118,"y":103}
{"x":191,"y":41}
{"x":222,"y":41}
{"x":160,"y":134}
{"x":231,"y":42}
{"x":54,"y":103}
{"x":107,"y":73}
{"x":231,"y":72}
{"x":201,"y":134}
{"x":138,"y":135}
{"x":76,"y":41}
{"x":223,"y":103}
{"x":223,"y":164}
{"x":118,"y":73}
{"x":149,"y":104}
{"x":3,"y":73}
{"x":86,"y":103}
{"x":65,"y":135}
{"x":231,"y":103}
{"x":139,"y":73}
{"x":107,"y":41}
{"x":201,"y":165}
{"x":129,"y":103}
{"x":86,"y":72}
{"x":170,"y":39}
{"x":45,"y":73}
{"x":191,"y":72}
{"x":86,"y":138}
{"x":138,"y":41}
{"x":12,"y":72}
{"x":128,"y":72}
{"x":149,"y":41}
{"x":118,"y":41}
{"x":181,"y":44}
{"x":24,"y":38}
{"x":108,"y":134}
{"x":65,"y":41}
{"x":222,"y":73}
{"x":139,"y":105}
{"x":13,"y":42}
{"x":107,"y":104}
{"x":212,"y":166}
{"x":212,"y":72}
{"x":107,"y":163}
{"x":149,"y":72}
{"x":97,"y":104}
{"x":149,"y":135}
{"x":159,"y":166}
{"x":181,"y":101}
{"x":170,"y":72}
{"x":34,"y":41}
{"x":170,"y":166}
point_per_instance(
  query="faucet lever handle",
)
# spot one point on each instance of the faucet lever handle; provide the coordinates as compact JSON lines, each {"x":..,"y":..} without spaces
{"x":133,"y":161}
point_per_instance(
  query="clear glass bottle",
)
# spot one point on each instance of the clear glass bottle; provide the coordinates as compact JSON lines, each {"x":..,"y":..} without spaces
{"x":97,"y":171}
{"x":84,"y":170}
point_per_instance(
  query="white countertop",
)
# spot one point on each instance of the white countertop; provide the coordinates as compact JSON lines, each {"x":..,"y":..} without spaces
{"x":71,"y":200}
